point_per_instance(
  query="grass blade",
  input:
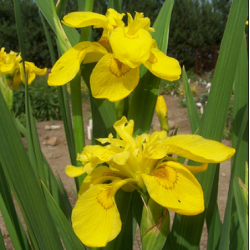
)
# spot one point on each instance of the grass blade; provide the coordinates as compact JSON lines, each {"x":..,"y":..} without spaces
{"x":225,"y":235}
{"x":2,"y":246}
{"x":193,"y":115}
{"x":27,"y":193}
{"x":8,"y":200}
{"x":62,"y":31}
{"x":242,"y":210}
{"x":9,"y":225}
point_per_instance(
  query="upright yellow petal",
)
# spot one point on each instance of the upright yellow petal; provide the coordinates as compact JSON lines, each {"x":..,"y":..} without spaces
{"x":163,"y":66}
{"x":95,"y":218}
{"x":161,"y":107}
{"x":115,"y":18}
{"x":196,"y":148}
{"x":68,"y":64}
{"x":112,"y":79}
{"x":131,"y":49}
{"x":125,"y":129}
{"x":84,"y":19}
{"x":174,"y":187}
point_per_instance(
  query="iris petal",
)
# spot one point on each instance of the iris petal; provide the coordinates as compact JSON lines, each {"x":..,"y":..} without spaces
{"x":112,"y":79}
{"x":95,"y":218}
{"x":196,"y":148}
{"x":163,"y":66}
{"x":132,"y":50}
{"x":174,"y":187}
{"x":84,"y":19}
{"x":68,"y":64}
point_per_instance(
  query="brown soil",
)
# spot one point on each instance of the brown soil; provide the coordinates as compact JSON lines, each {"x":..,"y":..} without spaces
{"x":58,"y":157}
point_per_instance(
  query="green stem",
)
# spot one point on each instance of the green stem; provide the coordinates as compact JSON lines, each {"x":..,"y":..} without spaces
{"x":88,"y":6}
{"x":76,"y":100}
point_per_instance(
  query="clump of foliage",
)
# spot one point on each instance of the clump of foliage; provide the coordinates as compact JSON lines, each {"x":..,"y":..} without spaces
{"x":43,"y":99}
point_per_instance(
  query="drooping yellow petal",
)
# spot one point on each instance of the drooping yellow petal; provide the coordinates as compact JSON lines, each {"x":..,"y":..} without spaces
{"x":68,"y":64}
{"x":112,"y":79}
{"x":196,"y":148}
{"x":84,"y":19}
{"x":95,"y":218}
{"x":73,"y":171}
{"x":32,"y":67}
{"x":197,"y":169}
{"x":31,"y":71}
{"x":163,"y":66}
{"x":174,"y":187}
{"x":131,"y":49}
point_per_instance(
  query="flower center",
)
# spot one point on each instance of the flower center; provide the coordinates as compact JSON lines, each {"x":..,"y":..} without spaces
{"x":104,"y":41}
{"x":117,"y":68}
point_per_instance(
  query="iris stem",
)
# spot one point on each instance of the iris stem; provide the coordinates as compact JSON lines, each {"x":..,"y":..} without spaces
{"x":87,"y":6}
{"x":76,"y":100}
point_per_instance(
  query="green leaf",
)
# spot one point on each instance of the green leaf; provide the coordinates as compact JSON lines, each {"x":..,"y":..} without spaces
{"x":9,"y":225}
{"x":242,"y":208}
{"x":190,"y":228}
{"x":214,"y":224}
{"x":76,"y":100}
{"x":115,"y":4}
{"x":8,"y":200}
{"x":66,"y":35}
{"x":24,"y":185}
{"x":155,"y":225}
{"x":240,"y":103}
{"x":193,"y":115}
{"x":225,"y":235}
{"x":2,"y":246}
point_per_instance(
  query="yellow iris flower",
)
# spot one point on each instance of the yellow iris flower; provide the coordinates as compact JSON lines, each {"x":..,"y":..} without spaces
{"x":162,"y":112}
{"x":139,"y":163}
{"x":9,"y":62}
{"x":119,"y":53}
{"x":11,"y":65}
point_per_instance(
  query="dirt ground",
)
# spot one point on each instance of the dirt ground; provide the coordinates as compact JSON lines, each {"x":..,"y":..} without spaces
{"x":58,"y":157}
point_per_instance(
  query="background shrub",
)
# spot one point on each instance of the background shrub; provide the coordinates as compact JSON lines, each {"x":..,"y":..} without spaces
{"x":43,"y":99}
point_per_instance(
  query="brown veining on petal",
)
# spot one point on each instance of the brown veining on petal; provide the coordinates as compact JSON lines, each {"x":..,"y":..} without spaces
{"x":104,"y":198}
{"x":167,"y":177}
{"x":117,"y":68}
